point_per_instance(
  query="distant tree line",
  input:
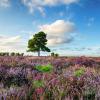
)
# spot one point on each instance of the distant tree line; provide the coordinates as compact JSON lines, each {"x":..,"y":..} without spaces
{"x":11,"y":54}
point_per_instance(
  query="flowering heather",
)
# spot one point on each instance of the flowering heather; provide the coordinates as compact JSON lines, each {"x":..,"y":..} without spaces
{"x":55,"y":79}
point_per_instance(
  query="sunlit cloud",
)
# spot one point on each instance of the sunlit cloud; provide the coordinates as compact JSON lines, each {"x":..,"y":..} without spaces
{"x":59,"y":32}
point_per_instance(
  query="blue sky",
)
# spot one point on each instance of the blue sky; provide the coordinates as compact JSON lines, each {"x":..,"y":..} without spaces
{"x":72,"y":26}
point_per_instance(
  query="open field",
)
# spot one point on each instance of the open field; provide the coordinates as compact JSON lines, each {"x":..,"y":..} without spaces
{"x":61,"y":78}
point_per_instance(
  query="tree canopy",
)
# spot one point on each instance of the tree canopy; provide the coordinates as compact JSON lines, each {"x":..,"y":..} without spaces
{"x":38,"y":43}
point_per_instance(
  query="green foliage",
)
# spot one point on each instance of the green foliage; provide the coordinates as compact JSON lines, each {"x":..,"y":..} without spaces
{"x":38,"y":43}
{"x":79,"y":72}
{"x":12,"y":54}
{"x":15,"y":54}
{"x":4,"y":53}
{"x":38,"y":83}
{"x":45,"y":68}
{"x":54,"y":54}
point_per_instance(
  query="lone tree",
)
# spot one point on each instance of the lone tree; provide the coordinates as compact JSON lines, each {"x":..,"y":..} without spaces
{"x":38,"y":43}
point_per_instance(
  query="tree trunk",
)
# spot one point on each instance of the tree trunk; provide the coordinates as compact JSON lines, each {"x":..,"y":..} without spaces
{"x":39,"y":53}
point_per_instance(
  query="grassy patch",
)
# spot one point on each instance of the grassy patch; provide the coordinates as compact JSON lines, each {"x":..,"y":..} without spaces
{"x":44,"y":68}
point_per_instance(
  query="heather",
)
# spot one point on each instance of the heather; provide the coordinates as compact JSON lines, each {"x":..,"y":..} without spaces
{"x":49,"y":78}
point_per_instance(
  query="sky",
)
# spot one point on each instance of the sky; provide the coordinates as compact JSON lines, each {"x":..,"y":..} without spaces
{"x":72,"y":26}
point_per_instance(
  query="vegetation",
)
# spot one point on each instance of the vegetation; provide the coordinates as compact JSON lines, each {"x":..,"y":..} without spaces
{"x":48,"y":78}
{"x":25,"y":78}
{"x":38,"y":83}
{"x":54,"y":54}
{"x":79,"y":72}
{"x":11,"y":54}
{"x":44,"y":68}
{"x":38,"y":43}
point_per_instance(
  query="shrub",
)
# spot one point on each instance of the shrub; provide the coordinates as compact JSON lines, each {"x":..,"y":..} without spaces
{"x":12,"y":54}
{"x":54,"y":54}
{"x":44,"y":68}
{"x":79,"y":72}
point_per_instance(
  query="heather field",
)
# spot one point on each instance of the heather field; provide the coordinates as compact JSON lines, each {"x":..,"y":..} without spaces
{"x":49,"y":78}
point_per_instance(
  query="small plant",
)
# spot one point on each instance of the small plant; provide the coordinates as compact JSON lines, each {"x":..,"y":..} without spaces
{"x":38,"y":83}
{"x":79,"y":72}
{"x":45,"y":68}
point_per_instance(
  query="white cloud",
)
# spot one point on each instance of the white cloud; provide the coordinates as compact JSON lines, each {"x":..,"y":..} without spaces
{"x":58,"y":32}
{"x":55,"y":41}
{"x":58,"y":27}
{"x":57,"y":2}
{"x":40,"y":4}
{"x":4,"y":3}
{"x":9,"y":40}
{"x":9,"y":44}
{"x":42,"y":11}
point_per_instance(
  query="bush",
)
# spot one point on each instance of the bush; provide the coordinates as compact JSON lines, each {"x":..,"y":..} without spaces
{"x":44,"y":68}
{"x":79,"y":72}
{"x":12,"y":54}
{"x":54,"y":54}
